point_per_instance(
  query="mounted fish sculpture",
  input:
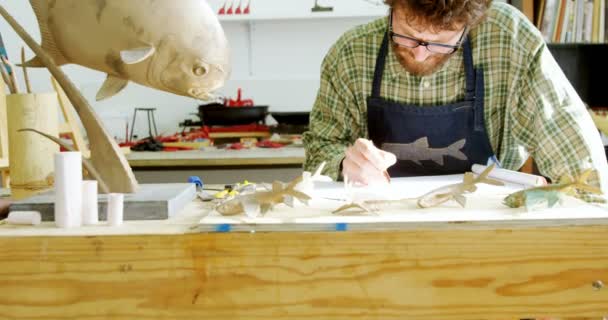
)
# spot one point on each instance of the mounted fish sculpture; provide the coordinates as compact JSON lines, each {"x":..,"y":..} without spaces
{"x":431,"y":199}
{"x":551,"y":194}
{"x":419,"y":150}
{"x":174,"y":46}
{"x":263,"y":201}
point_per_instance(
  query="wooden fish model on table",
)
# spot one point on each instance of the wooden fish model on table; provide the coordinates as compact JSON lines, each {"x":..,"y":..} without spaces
{"x":551,"y":194}
{"x":263,"y":201}
{"x":174,"y":46}
{"x":457,"y":191}
{"x":431,"y":199}
{"x":419,"y":150}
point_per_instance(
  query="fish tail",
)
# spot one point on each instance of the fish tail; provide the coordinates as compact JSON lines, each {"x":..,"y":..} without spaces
{"x":454,"y":150}
{"x":41,"y":9}
{"x":294,"y":182}
{"x":582,"y":179}
{"x":483,"y":177}
{"x":582,"y":184}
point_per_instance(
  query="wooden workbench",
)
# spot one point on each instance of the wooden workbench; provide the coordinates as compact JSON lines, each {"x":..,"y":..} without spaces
{"x":440,"y":270}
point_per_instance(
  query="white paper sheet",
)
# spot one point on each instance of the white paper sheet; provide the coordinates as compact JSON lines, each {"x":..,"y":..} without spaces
{"x":485,"y":204}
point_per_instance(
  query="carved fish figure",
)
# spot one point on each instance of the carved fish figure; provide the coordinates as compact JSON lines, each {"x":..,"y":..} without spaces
{"x":263,"y":201}
{"x":551,"y":193}
{"x":431,"y":199}
{"x":419,"y":150}
{"x":457,"y":191}
{"x":174,"y":46}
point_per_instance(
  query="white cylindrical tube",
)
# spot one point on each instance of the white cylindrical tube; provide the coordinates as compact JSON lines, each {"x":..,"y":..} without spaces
{"x":90,"y":214}
{"x":32,"y":218}
{"x":115,"y":209}
{"x":68,"y":189}
{"x":511,"y":176}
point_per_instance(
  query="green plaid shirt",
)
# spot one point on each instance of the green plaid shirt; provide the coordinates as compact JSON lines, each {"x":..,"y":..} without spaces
{"x":530,"y":107}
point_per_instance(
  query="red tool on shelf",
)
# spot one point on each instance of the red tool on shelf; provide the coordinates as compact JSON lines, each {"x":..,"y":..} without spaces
{"x":238,"y":102}
{"x":229,"y":11}
{"x":223,"y":8}
{"x":246,"y":10}
{"x":238,"y":9}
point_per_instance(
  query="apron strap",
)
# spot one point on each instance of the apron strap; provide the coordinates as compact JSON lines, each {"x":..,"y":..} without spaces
{"x":469,"y":70}
{"x":379,"y":70}
{"x":479,"y":123}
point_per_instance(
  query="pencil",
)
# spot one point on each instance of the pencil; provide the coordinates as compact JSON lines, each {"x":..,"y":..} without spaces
{"x":6,"y":78}
{"x":13,"y":74}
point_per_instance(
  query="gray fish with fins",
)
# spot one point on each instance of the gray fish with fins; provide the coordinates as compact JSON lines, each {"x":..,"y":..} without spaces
{"x":174,"y":46}
{"x":419,"y":150}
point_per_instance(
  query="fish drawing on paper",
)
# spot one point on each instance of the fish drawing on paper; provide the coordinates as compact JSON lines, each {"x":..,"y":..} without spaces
{"x":174,"y":46}
{"x":419,"y":150}
{"x":551,"y":194}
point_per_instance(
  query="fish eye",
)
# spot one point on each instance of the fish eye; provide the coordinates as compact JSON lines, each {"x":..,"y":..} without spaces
{"x":199,"y":70}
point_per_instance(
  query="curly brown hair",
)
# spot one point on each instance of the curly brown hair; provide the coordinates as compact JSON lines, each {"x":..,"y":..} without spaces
{"x":442,"y":14}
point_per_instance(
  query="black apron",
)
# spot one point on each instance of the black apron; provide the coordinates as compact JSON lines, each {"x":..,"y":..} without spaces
{"x":431,"y":140}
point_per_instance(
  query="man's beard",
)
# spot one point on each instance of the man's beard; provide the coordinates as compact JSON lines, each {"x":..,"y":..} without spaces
{"x":419,"y":68}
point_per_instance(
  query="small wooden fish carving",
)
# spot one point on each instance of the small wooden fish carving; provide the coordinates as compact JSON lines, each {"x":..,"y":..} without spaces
{"x":457,"y":191}
{"x":263,"y":201}
{"x":551,"y":193}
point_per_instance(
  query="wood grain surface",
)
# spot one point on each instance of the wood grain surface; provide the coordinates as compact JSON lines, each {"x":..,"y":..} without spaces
{"x":422,"y":274}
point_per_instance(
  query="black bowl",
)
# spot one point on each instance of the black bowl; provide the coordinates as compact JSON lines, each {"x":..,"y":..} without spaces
{"x":220,"y":115}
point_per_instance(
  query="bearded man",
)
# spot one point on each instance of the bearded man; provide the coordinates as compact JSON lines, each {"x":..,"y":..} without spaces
{"x":437,"y":86}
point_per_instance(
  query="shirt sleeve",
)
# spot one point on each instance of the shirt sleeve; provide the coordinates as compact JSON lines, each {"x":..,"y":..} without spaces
{"x":333,"y":124}
{"x":551,"y":122}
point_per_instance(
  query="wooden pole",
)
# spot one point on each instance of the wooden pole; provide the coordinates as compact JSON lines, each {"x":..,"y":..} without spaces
{"x":13,"y":75}
{"x":26,"y":78}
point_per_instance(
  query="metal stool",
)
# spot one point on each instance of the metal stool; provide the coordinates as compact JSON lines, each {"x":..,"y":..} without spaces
{"x":151,"y":122}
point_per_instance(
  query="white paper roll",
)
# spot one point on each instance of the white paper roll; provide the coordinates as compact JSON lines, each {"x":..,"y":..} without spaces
{"x":115,"y":208}
{"x":32,"y":218}
{"x":90,"y":214}
{"x":510,"y":176}
{"x":68,"y":189}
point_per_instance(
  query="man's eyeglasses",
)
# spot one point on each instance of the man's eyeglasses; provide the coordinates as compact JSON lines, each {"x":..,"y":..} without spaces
{"x":409,"y":42}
